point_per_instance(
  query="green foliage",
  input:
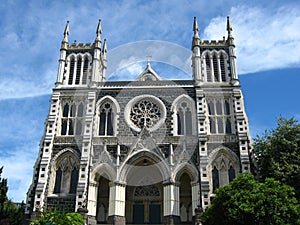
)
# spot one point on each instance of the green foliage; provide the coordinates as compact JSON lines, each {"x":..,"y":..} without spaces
{"x":278,"y":153}
{"x":58,"y":218}
{"x":3,"y":192}
{"x":248,"y":201}
{"x":8,"y":210}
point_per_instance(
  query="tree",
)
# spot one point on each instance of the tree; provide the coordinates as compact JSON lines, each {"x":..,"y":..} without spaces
{"x":248,"y":201}
{"x":3,"y":192}
{"x":277,"y":153}
{"x":58,"y":218}
{"x":9,"y":212}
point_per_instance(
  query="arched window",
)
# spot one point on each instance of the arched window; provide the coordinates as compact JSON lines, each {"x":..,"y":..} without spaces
{"x":208,"y":68}
{"x":66,"y":174}
{"x":223,"y":168}
{"x":216,"y":71}
{"x":72,"y":118}
{"x":78,"y":70}
{"x":71,"y":71}
{"x":215,"y":66}
{"x":78,"y":65}
{"x":184,"y":118}
{"x":85,"y":70}
{"x":231,"y":173}
{"x":57,"y":186}
{"x":215,"y":178}
{"x":222,"y":65}
{"x":106,"y":119}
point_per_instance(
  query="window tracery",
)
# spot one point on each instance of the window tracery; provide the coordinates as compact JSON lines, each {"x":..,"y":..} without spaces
{"x":106,"y":119}
{"x":184,"y":119}
{"x":223,"y":170}
{"x":147,"y":191}
{"x":66,"y":175}
{"x":145,"y":113}
{"x":184,"y":116}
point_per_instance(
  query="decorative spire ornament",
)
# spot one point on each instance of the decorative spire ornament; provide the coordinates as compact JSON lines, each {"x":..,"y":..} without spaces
{"x":196,"y":38}
{"x":230,"y":37}
{"x":65,"y":41}
{"x":98,"y":35}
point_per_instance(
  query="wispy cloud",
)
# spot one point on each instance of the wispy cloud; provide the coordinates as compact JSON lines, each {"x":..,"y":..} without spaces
{"x":18,"y":170}
{"x":265,"y":38}
{"x":29,"y":46}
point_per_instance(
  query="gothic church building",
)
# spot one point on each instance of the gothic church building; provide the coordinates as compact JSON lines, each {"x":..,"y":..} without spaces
{"x":148,"y":151}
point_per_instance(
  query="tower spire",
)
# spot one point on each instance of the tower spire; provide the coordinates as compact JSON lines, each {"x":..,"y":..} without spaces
{"x":230,"y":38}
{"x":196,"y":38}
{"x":98,"y":35}
{"x":65,"y":41}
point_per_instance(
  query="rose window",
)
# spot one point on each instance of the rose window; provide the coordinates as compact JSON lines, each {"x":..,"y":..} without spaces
{"x":145,"y":111}
{"x":145,"y":114}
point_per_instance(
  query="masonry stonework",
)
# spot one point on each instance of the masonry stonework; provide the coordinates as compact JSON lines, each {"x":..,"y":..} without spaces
{"x":143,"y":151}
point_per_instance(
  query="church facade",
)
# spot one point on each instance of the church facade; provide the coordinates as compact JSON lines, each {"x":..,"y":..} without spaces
{"x":148,"y":151}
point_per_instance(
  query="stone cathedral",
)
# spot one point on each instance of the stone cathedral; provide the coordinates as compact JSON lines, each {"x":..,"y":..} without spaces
{"x":144,"y":151}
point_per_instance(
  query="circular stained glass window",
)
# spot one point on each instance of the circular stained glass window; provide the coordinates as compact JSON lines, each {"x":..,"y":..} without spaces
{"x":145,"y":112}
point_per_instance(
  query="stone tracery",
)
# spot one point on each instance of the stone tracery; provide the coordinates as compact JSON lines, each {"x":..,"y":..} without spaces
{"x":145,"y":113}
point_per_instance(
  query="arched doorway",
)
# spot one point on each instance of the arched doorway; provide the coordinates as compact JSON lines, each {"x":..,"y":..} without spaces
{"x":102,"y":200}
{"x":144,"y":195}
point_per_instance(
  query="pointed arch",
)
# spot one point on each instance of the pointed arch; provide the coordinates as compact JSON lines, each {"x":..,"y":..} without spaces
{"x":135,"y":169}
{"x":224,"y":165}
{"x":104,"y":170}
{"x":64,"y":172}
{"x":106,"y":116}
{"x":188,"y":169}
{"x":184,"y":115}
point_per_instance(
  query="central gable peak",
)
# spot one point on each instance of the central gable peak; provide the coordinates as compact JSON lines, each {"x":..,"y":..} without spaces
{"x":148,"y":74}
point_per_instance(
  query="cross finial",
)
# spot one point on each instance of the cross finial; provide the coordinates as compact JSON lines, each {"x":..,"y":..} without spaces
{"x":148,"y":59}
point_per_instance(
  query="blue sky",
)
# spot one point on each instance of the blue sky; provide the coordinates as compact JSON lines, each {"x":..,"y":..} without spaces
{"x":267,"y":37}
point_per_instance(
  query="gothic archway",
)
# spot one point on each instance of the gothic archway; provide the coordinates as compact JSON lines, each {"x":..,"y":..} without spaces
{"x":144,"y":195}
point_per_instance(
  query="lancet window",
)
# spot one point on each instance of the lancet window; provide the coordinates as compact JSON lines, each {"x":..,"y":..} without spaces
{"x":223,"y":171}
{"x":66,"y":174}
{"x":215,"y":64}
{"x":106,"y":119}
{"x":72,"y":118}
{"x":78,"y":69}
{"x":184,"y":116}
{"x":220,"y":116}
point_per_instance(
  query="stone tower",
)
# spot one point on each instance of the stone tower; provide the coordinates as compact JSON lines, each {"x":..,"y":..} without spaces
{"x":143,"y":151}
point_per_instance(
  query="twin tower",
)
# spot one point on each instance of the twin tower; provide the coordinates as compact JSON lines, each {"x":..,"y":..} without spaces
{"x":147,"y":151}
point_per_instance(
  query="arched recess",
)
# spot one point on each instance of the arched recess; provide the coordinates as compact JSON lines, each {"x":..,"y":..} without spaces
{"x":64,"y":172}
{"x":224,"y":166}
{"x":144,"y":172}
{"x":106,"y":117}
{"x":184,"y":116}
{"x":186,"y":176}
{"x":99,"y":191}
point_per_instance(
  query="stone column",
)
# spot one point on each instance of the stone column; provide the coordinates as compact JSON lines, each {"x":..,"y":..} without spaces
{"x":195,"y":196}
{"x":92,"y":201}
{"x":116,"y":211}
{"x":171,"y":204}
